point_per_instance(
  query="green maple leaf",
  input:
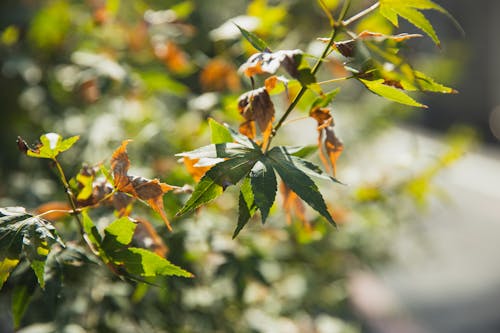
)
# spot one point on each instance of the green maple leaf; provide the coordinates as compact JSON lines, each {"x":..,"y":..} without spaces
{"x":411,"y":11}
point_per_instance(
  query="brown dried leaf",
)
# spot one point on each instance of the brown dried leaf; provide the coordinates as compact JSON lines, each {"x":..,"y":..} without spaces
{"x":329,"y":146}
{"x":219,"y":75}
{"x":119,"y":166}
{"x":256,"y":105}
{"x":147,"y":190}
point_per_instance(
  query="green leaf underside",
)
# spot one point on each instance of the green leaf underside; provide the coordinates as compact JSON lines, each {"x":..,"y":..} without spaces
{"x":246,"y":206}
{"x":410,"y":10}
{"x":24,"y":235}
{"x":298,"y":181}
{"x":263,"y":181}
{"x":215,"y":180}
{"x":253,"y":39}
{"x":136,"y":261}
{"x":393,"y":94}
{"x":219,"y":133}
{"x":52,"y":145}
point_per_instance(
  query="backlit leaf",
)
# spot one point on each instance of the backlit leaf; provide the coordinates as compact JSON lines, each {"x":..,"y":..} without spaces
{"x":253,"y":39}
{"x":150,"y":191}
{"x":219,"y":133}
{"x":298,"y":181}
{"x":51,"y":145}
{"x":393,"y":94}
{"x":411,"y":11}
{"x":116,"y":251}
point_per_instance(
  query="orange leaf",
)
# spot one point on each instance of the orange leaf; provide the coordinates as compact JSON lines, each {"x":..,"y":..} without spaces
{"x":292,"y":204}
{"x":54,"y":210}
{"x":195,"y":171}
{"x":219,"y":75}
{"x":174,"y":58}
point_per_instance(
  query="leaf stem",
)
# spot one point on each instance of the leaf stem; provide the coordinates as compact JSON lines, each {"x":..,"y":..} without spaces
{"x":361,"y":14}
{"x":70,"y":196}
{"x":336,"y":80}
{"x":333,"y":34}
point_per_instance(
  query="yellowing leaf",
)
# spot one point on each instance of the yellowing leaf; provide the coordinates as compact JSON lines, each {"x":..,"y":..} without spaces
{"x":393,"y":94}
{"x":51,"y":145}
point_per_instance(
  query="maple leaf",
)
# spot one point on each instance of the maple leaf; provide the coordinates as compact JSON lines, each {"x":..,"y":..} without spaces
{"x":411,"y":11}
{"x":256,"y":105}
{"x":150,"y":191}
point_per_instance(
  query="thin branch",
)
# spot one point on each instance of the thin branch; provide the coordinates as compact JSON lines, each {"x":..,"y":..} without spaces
{"x":70,"y":196}
{"x":335,"y":30}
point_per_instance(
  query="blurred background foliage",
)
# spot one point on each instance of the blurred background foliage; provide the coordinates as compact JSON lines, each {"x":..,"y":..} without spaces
{"x":154,"y":71}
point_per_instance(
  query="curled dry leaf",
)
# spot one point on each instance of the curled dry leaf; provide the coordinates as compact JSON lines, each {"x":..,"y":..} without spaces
{"x":329,"y":146}
{"x":220,"y":75}
{"x":147,"y":190}
{"x":256,"y":105}
{"x":267,"y":62}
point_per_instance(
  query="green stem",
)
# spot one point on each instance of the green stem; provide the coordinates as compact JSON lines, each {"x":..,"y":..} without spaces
{"x":70,"y":196}
{"x":314,"y":70}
